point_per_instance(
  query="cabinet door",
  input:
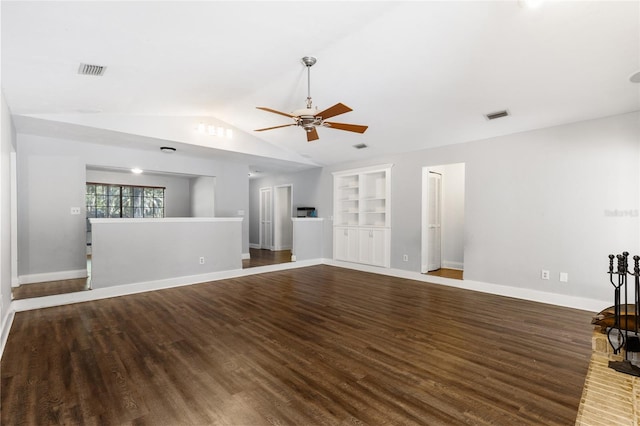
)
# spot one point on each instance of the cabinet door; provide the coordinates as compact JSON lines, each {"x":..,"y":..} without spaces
{"x":374,"y":246}
{"x":346,"y":244}
{"x":353,"y":244}
{"x":379,"y":247}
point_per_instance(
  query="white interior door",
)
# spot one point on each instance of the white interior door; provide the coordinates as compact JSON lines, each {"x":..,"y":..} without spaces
{"x":266,"y":223}
{"x":434,"y":222}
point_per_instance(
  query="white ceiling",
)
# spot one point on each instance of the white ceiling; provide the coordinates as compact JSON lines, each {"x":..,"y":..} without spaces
{"x":420,"y":74}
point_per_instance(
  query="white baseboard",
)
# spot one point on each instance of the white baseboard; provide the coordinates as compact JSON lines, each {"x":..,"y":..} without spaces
{"x":246,"y":256}
{"x":7,"y":321}
{"x":567,"y":301}
{"x":575,"y":302}
{"x":254,"y":246}
{"x":52,"y":276}
{"x":141,"y":287}
{"x":459,"y":266}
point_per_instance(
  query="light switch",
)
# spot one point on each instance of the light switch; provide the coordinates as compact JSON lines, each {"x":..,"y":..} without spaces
{"x":564,"y":277}
{"x":75,"y":210}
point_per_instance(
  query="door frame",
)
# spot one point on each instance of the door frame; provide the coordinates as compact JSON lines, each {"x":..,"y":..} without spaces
{"x":275,"y":233}
{"x":260,"y":219}
{"x":424,"y":255}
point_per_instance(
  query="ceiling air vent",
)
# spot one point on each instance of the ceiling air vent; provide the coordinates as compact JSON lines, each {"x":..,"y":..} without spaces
{"x":86,"y":69}
{"x":360,"y":146}
{"x":497,"y":114}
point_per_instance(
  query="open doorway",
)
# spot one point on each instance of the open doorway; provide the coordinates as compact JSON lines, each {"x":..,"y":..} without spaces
{"x":275,"y":227}
{"x":443,"y":220}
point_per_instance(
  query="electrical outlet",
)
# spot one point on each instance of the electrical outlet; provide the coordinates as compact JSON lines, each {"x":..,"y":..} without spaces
{"x":405,"y":257}
{"x":75,"y":210}
{"x":564,"y":277}
{"x":202,"y":260}
{"x":544,"y":274}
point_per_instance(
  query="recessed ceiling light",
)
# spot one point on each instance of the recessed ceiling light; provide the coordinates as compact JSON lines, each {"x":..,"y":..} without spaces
{"x":136,"y":171}
{"x":360,"y":146}
{"x":168,"y":149}
{"x":635,"y":77}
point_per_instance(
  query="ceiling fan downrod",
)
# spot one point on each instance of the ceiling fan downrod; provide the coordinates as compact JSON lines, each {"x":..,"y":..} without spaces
{"x":309,"y":61}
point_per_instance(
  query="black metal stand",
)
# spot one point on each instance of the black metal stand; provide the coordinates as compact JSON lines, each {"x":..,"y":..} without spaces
{"x":624,"y":332}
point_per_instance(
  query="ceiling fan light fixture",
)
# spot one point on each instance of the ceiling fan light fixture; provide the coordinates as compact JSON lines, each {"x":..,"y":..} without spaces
{"x":309,"y":118}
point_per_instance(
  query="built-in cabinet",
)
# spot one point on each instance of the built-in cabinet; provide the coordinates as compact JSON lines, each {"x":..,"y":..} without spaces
{"x":362,"y":215}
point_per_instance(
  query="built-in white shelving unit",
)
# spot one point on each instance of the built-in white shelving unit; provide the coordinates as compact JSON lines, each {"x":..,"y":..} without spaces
{"x":362,"y":215}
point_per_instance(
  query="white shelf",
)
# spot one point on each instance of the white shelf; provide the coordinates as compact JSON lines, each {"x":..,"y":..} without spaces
{"x":362,"y":212}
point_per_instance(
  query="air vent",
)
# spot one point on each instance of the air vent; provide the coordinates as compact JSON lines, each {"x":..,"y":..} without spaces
{"x":86,"y":69}
{"x":360,"y":146}
{"x":497,"y":114}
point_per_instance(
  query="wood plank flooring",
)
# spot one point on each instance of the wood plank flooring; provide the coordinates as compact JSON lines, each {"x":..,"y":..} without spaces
{"x":455,"y":274}
{"x":261,"y":257}
{"x":28,"y":291}
{"x":312,"y":346}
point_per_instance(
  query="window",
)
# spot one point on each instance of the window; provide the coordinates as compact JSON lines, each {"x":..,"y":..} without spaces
{"x":107,"y":200}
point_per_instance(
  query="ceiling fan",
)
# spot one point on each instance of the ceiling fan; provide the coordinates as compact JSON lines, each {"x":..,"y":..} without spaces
{"x":309,"y":119}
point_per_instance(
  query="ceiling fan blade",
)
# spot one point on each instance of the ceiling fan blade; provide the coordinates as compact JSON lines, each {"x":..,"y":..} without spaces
{"x":275,"y":127}
{"x":337,"y":109}
{"x":312,"y":135}
{"x":276,"y":112}
{"x":348,"y":127}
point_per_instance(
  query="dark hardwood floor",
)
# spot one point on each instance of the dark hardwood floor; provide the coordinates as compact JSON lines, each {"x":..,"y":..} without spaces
{"x":27,"y":291}
{"x":312,"y":346}
{"x":447,"y":273}
{"x":261,"y":257}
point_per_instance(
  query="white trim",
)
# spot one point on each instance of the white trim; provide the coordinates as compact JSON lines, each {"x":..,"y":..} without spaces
{"x":449,"y":264}
{"x":6,"y":328}
{"x":141,"y":287}
{"x":575,"y":302}
{"x":306,"y":219}
{"x":375,"y":168}
{"x":246,"y":256}
{"x":52,"y":276}
{"x":254,"y":246}
{"x":15,"y":282}
{"x":163,"y":219}
{"x":424,"y":233}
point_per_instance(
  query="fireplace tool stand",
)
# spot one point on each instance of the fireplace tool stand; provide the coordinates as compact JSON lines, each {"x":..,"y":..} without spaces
{"x":626,"y":323}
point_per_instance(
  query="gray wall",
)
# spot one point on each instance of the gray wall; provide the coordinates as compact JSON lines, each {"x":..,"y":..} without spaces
{"x":7,"y":146}
{"x":203,"y":189}
{"x":51,"y":179}
{"x":533,"y":200}
{"x":129,"y":251}
{"x":177,"y":196}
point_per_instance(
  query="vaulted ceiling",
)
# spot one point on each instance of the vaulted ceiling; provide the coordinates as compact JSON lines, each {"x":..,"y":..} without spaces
{"x":419,"y":74}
